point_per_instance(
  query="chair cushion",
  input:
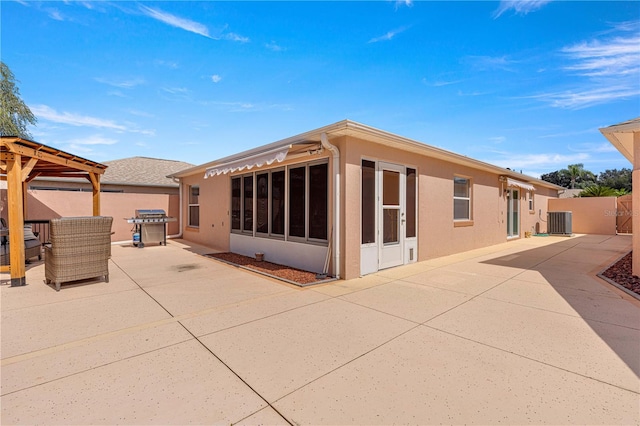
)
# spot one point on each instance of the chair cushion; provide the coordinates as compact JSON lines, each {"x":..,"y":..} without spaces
{"x":28,"y":233}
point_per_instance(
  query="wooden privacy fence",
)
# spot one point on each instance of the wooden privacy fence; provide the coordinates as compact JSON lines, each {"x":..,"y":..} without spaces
{"x":624,"y":217}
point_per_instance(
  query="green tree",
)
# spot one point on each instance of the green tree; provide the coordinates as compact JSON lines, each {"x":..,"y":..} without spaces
{"x":15,"y":115}
{"x":616,"y":179}
{"x":598,"y":191}
{"x":574,"y":176}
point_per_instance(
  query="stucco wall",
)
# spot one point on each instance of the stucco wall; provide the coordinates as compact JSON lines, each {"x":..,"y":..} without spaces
{"x":45,"y":205}
{"x":590,"y":215}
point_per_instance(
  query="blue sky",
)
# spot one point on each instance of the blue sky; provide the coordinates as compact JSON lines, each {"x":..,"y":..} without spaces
{"x":524,"y":85}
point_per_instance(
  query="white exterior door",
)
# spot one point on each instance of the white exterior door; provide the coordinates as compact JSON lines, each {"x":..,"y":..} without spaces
{"x":513,"y":213}
{"x":391,"y":215}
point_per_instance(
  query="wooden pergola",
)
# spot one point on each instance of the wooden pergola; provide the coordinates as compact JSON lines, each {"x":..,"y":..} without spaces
{"x":21,"y":161}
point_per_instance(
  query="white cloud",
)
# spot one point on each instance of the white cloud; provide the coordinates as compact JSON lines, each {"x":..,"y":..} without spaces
{"x":274,"y":46}
{"x":216,"y":78}
{"x":604,"y":70}
{"x":388,"y":35}
{"x":55,"y":14}
{"x":520,"y":7}
{"x":93,"y":140}
{"x":176,"y":21}
{"x":490,"y":63}
{"x":589,"y":96}
{"x":408,"y":3}
{"x":45,"y":112}
{"x":603,"y":58}
{"x":123,"y":84}
{"x":545,"y":161}
{"x":235,"y":37}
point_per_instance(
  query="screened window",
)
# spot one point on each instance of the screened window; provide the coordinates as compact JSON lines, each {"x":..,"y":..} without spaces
{"x":461,"y":198}
{"x":368,"y":202}
{"x":236,"y":202}
{"x":318,"y":201}
{"x":247,"y":205}
{"x":277,"y":202}
{"x":262,"y":203}
{"x":194,"y":206}
{"x":297,"y":202}
{"x":411,"y":188}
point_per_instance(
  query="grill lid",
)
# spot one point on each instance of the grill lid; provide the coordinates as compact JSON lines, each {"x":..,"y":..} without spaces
{"x":150,"y":212}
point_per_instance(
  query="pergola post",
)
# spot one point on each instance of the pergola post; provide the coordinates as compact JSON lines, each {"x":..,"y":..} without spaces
{"x":95,"y":183}
{"x":16,"y":219}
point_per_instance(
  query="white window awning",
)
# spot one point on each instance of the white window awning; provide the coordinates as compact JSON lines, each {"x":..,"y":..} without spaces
{"x":249,"y":162}
{"x":520,"y":184}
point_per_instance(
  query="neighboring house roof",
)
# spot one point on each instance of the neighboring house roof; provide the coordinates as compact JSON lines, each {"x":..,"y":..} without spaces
{"x":352,"y":128}
{"x":621,"y":136}
{"x":140,"y":171}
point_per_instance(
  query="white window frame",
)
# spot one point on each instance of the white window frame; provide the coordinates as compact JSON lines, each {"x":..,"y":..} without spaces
{"x":531,"y":201}
{"x":469,"y":198}
{"x":190,"y":205}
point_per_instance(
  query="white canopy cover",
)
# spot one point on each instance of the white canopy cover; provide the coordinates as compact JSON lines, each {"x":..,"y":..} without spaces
{"x":519,"y":184}
{"x":249,"y":162}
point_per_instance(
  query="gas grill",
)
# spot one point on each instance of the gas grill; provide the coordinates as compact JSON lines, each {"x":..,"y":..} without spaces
{"x":150,"y":226}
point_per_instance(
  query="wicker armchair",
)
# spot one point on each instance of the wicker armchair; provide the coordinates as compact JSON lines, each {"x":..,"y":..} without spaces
{"x":80,"y":248}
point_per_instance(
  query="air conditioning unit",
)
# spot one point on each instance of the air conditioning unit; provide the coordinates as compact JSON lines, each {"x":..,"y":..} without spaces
{"x":559,"y":223}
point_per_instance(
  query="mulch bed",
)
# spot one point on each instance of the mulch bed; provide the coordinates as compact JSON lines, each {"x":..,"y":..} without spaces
{"x":285,"y":272}
{"x":620,"y":272}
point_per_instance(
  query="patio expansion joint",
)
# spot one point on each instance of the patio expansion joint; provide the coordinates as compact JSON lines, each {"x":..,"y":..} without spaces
{"x":635,"y":392}
{"x":238,"y":376}
{"x":94,"y":368}
{"x":348,"y":362}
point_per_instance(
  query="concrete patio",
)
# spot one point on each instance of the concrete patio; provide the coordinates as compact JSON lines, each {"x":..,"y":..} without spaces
{"x":520,"y":333}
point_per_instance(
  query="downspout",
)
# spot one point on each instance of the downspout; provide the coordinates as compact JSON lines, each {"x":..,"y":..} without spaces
{"x":179,"y":234}
{"x":336,"y":202}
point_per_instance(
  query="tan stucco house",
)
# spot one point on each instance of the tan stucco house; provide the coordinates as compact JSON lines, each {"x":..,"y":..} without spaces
{"x":359,"y":198}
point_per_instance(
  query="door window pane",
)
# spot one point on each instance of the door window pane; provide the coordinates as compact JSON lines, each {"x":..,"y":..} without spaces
{"x":391,"y":188}
{"x":368,"y":202}
{"x":262,"y":203}
{"x":390,"y":226}
{"x":297,"y":202}
{"x":248,"y":204}
{"x":235,"y":203}
{"x":277,"y":203}
{"x":318,"y":201}
{"x":411,"y":202}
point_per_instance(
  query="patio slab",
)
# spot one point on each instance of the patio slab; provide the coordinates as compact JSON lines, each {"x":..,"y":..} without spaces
{"x":178,"y":338}
{"x":282,"y":353}
{"x":565,"y":341}
{"x":179,"y":384}
{"x":438,"y":378}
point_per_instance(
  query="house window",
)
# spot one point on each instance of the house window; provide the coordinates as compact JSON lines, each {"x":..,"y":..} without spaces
{"x":236,"y":203}
{"x":530,"y":200}
{"x":277,"y":202}
{"x":297,"y":202}
{"x":318,"y":201}
{"x":194,"y":206}
{"x":247,"y":204}
{"x":461,"y":198}
{"x":262,"y":204}
{"x":411,"y":188}
{"x":368,"y":202}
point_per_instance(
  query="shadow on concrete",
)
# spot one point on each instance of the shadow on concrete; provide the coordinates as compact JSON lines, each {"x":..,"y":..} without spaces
{"x":570,"y":267}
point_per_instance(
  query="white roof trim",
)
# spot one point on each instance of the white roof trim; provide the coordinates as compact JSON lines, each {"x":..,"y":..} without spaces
{"x":257,"y":160}
{"x":519,"y":184}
